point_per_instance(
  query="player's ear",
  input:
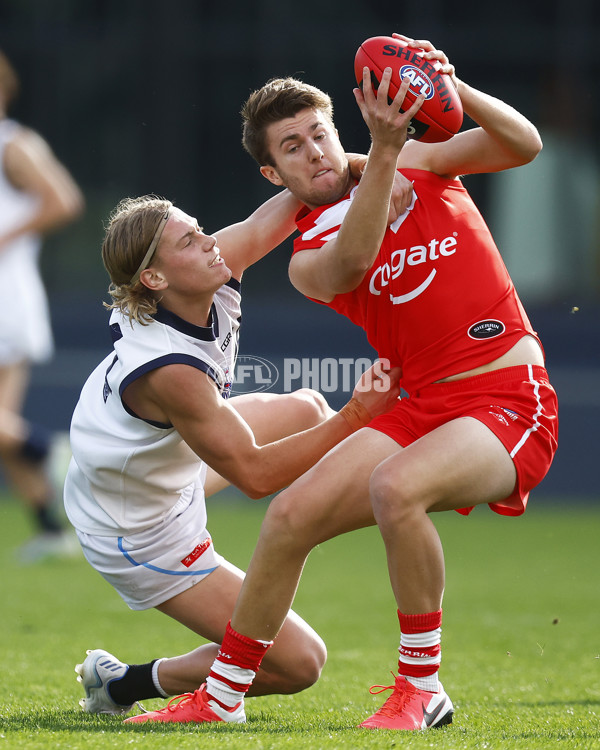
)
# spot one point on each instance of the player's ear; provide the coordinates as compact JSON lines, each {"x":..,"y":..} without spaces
{"x":271,"y":174}
{"x":153,"y":279}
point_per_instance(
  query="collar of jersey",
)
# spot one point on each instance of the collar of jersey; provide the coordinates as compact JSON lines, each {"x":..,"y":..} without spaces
{"x":203,"y":333}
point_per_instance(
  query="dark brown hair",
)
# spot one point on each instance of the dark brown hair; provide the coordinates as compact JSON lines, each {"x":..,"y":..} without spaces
{"x":278,"y":99}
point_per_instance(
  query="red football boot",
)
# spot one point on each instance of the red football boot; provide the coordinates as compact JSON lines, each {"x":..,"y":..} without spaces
{"x":410,"y":708}
{"x":194,"y":707}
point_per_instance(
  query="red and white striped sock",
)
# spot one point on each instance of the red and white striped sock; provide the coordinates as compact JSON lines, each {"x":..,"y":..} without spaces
{"x":420,"y":649}
{"x":235,"y":668}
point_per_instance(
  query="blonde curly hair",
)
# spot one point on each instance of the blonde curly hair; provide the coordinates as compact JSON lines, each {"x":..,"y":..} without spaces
{"x":131,"y":228}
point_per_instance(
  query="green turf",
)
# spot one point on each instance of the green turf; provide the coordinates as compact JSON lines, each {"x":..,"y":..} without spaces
{"x":521,"y":640}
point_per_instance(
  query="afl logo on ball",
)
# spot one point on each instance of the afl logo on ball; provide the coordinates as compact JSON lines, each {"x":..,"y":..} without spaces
{"x":419,"y":82}
{"x":486,"y":329}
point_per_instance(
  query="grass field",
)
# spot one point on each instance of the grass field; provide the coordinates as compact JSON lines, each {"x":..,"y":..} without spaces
{"x":521,"y":640}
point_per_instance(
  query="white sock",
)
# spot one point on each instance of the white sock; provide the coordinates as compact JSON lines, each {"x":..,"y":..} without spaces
{"x":155,"y":680}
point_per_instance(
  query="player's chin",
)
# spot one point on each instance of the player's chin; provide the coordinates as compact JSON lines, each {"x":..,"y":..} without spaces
{"x":222,"y":272}
{"x":329,"y":191}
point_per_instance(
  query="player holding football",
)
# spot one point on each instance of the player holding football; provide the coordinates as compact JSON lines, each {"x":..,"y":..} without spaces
{"x":480,"y":423}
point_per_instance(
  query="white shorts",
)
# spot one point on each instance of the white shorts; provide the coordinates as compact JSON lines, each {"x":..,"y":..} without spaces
{"x":153,"y":566}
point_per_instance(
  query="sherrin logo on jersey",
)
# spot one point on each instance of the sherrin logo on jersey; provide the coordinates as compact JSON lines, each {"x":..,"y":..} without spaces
{"x":420,"y":83}
{"x":486,"y":329}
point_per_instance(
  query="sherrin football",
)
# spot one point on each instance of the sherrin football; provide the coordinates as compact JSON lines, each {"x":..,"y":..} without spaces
{"x":441,"y":114}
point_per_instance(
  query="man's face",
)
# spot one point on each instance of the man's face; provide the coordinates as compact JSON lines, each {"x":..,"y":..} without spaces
{"x":188,"y":259}
{"x":308,"y":158}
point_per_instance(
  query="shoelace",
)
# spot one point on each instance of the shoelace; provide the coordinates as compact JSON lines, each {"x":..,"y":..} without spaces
{"x":181,"y":700}
{"x":397,"y":700}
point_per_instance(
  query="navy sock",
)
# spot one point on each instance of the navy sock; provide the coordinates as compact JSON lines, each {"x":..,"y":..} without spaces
{"x":136,"y":685}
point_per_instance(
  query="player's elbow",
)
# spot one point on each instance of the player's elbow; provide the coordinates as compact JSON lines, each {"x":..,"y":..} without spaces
{"x":266,"y":478}
{"x":73,"y":205}
{"x":531,"y":146}
{"x":256,"y":486}
{"x":254,"y":473}
{"x":77,"y":205}
{"x":255,"y":491}
{"x":65,"y":208}
{"x":350,"y":279}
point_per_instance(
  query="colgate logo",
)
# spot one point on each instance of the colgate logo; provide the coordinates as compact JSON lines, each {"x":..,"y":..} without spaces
{"x":413,"y":256}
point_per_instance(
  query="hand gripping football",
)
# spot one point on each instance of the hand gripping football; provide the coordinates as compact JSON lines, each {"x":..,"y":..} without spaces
{"x":441,"y":114}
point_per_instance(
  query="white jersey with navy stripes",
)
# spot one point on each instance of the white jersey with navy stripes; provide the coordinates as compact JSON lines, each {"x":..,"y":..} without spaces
{"x":128,"y":474}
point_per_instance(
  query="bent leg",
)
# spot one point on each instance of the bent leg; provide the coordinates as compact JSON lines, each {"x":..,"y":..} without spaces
{"x":330,"y":499}
{"x":273,"y":416}
{"x":292,"y":664}
{"x":461,"y":463}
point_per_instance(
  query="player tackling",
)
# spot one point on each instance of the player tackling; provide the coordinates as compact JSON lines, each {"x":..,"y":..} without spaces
{"x":156,"y":413}
{"x":479,"y":425}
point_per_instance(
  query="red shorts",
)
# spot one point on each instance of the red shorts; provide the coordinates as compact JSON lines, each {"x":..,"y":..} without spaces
{"x":517,"y":404}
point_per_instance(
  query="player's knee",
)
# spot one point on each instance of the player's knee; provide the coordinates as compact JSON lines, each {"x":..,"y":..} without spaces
{"x":308,"y":662}
{"x":312,"y":406}
{"x":283,"y":520}
{"x":391,"y":496}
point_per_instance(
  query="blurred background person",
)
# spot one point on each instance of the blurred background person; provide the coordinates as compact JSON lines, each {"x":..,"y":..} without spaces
{"x":37,"y":195}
